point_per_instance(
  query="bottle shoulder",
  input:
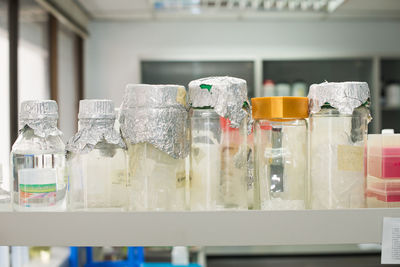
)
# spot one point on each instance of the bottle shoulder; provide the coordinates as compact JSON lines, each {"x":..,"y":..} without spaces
{"x":29,"y":142}
{"x":198,"y":113}
{"x":102,"y":149}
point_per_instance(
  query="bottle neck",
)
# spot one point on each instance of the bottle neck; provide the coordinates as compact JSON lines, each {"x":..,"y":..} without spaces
{"x":104,"y":124}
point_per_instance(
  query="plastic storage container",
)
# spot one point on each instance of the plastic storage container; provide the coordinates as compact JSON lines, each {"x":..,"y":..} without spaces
{"x":281,"y":151}
{"x":97,"y":160}
{"x":219,"y":153}
{"x":269,"y":88}
{"x":338,"y":135}
{"x":38,"y":159}
{"x":299,"y":89}
{"x":282,"y":89}
{"x":383,"y":175}
{"x":154,"y":122}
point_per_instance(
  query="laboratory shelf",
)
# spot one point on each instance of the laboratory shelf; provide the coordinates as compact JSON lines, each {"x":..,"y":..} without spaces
{"x":218,"y":228}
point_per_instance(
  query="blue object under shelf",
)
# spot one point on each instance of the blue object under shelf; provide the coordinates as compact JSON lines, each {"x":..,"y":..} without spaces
{"x":135,"y":259}
{"x":156,"y":264}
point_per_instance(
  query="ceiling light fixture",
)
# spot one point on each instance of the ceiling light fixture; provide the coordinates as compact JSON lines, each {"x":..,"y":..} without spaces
{"x":328,"y":6}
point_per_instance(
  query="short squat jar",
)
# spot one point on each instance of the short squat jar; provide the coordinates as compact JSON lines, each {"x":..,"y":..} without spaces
{"x":338,"y":133}
{"x":97,"y":160}
{"x":280,"y":152}
{"x":153,"y":123}
{"x":39,"y":181}
{"x":218,"y":156}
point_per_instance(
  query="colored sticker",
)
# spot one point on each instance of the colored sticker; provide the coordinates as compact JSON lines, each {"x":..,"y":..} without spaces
{"x":206,"y":86}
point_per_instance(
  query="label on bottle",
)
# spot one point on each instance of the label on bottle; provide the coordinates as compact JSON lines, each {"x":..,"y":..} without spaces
{"x":391,"y":241}
{"x":37,"y":186}
{"x":180,"y":180}
{"x":350,"y":158}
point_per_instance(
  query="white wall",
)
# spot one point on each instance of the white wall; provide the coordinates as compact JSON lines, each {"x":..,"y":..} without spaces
{"x":67,"y":83}
{"x":113,"y":49}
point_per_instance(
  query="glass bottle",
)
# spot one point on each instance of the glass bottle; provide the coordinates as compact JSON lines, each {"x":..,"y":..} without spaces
{"x":338,"y":133}
{"x":39,"y":180}
{"x":97,"y":160}
{"x":154,"y":125}
{"x":281,"y":151}
{"x":251,"y":194}
{"x":219,"y":152}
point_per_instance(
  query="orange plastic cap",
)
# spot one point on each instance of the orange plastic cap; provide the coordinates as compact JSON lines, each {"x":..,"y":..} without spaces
{"x":279,"y":107}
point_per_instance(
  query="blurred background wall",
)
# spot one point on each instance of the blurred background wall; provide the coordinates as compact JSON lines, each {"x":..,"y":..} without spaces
{"x":114,"y":49}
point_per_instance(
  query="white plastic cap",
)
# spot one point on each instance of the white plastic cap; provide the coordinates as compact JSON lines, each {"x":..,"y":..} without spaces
{"x":387,"y":131}
{"x":180,"y":256}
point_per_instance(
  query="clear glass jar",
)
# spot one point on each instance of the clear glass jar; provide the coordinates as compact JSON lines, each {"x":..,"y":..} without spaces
{"x":251,"y":172}
{"x":281,"y":163}
{"x":38,"y":162}
{"x":153,"y":121}
{"x":338,"y":143}
{"x":281,"y":166}
{"x":218,"y":174}
{"x":98,"y":179}
{"x":157,"y":180}
{"x":97,"y":160}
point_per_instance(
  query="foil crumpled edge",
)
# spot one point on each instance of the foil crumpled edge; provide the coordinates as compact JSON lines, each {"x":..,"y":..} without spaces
{"x":228,"y":97}
{"x":165,"y":128}
{"x":90,"y":134}
{"x":345,"y":96}
{"x":41,"y":127}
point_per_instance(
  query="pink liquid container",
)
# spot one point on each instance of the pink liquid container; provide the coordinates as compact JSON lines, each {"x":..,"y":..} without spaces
{"x":383,"y":170}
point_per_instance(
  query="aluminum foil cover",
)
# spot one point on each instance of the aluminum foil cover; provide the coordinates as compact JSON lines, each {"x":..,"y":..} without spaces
{"x":156,"y":114}
{"x":41,"y":116}
{"x":227,"y":95}
{"x":344,"y":96}
{"x":96,"y":124}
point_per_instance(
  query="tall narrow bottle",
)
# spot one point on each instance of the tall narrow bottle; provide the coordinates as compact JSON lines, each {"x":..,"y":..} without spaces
{"x":219,"y":115}
{"x":38,"y":159}
{"x":97,"y":161}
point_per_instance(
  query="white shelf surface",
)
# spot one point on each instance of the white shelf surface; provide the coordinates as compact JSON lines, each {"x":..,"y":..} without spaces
{"x":219,"y":228}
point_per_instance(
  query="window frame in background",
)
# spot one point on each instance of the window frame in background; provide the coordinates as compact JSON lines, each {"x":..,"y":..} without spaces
{"x":14,"y":7}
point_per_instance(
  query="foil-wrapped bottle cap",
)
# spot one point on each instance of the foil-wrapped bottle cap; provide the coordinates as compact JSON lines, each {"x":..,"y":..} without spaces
{"x":156,"y":114}
{"x":41,"y":116}
{"x":38,"y":109}
{"x":149,"y":95}
{"x":344,"y":96}
{"x":227,"y":95}
{"x":96,"y":124}
{"x":96,"y":109}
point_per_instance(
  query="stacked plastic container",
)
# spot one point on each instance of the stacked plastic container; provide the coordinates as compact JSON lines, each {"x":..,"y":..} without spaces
{"x":383,"y":170}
